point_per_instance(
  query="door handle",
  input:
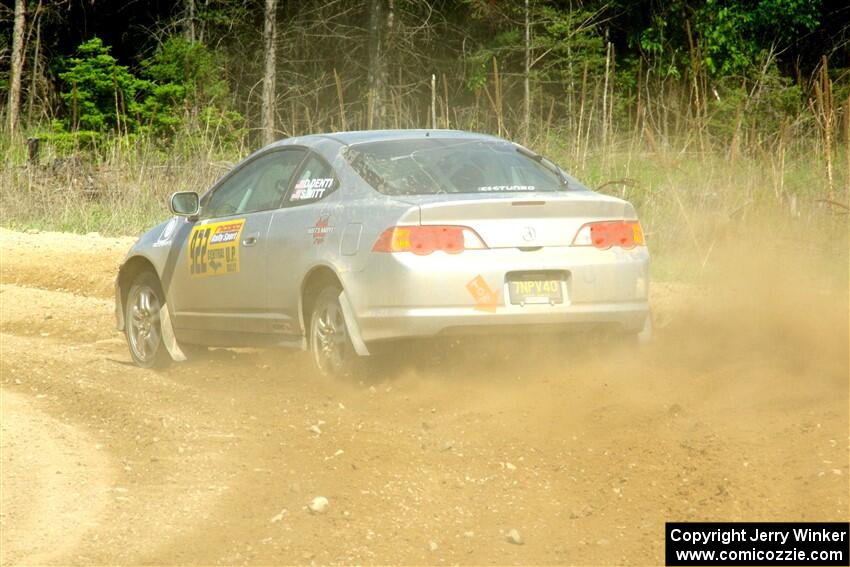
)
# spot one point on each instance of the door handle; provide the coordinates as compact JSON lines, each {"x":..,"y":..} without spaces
{"x":251,"y":239}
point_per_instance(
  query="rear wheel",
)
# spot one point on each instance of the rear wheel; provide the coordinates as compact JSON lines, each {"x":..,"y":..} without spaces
{"x":143,"y":327}
{"x":330,"y":346}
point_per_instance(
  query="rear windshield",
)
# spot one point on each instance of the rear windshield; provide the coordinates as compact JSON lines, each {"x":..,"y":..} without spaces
{"x":433,"y":165}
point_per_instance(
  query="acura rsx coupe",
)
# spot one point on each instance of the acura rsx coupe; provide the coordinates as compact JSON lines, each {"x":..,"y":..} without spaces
{"x":338,"y":243}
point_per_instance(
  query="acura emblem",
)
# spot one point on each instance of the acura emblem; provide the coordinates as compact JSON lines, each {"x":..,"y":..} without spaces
{"x":528,"y":234}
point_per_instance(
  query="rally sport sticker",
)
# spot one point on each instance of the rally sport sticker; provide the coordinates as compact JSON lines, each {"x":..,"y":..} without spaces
{"x":214,"y":248}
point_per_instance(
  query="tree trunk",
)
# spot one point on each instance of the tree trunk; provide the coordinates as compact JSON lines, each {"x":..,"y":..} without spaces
{"x":33,"y":93}
{"x":200,"y":27}
{"x":189,"y":29}
{"x":605,"y":90}
{"x":386,"y":49}
{"x":526,"y":119}
{"x":433,"y":101}
{"x":269,"y":42}
{"x":377,"y":74}
{"x":17,"y":64}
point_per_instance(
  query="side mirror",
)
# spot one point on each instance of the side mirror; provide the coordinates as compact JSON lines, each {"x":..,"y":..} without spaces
{"x":185,"y":203}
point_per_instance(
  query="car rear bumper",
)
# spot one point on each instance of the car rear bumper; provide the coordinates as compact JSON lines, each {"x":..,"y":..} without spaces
{"x":430,"y":322}
{"x":408,"y":296}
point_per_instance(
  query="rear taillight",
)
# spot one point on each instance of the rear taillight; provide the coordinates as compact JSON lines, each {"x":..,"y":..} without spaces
{"x":604,"y":235}
{"x":424,"y":240}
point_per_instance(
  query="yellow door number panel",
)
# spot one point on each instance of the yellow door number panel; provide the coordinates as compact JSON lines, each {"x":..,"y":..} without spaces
{"x":214,"y":248}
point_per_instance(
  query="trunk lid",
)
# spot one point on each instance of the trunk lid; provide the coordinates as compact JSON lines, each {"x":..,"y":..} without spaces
{"x":526,"y":220}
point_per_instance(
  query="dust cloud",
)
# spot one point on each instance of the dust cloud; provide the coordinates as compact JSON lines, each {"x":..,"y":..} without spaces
{"x":581,"y":446}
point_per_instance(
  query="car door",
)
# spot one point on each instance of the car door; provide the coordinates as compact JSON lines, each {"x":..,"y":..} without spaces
{"x":220,"y":279}
{"x":302,"y":235}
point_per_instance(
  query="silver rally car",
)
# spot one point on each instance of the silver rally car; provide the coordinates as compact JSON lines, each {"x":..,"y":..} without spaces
{"x":336,"y":243}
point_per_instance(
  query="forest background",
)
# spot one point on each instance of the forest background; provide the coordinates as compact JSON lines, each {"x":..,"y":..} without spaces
{"x":704,"y":113}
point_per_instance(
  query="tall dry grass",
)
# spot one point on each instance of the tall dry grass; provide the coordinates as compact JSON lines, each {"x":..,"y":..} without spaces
{"x":118,"y":188}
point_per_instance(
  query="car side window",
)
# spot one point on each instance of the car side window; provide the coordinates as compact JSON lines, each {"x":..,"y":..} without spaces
{"x":259,"y":186}
{"x":315,"y":181}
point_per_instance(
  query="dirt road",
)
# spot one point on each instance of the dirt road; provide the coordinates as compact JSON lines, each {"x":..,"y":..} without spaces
{"x":738,"y":411}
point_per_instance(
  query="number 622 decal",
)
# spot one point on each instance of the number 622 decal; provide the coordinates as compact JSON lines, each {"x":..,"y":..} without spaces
{"x":213,"y":249}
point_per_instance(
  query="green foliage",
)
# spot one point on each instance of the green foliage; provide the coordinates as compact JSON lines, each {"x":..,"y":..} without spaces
{"x":213,"y":129}
{"x":66,"y":143}
{"x":192,"y":94}
{"x":192,"y":67}
{"x":730,"y":36}
{"x":769,"y":106}
{"x":571,"y":40}
{"x":568,"y":38}
{"x":725,"y":32}
{"x":186,"y":79}
{"x":481,"y":61}
{"x":161,"y":109}
{"x":180,"y":97}
{"x":181,"y":87}
{"x":735,"y":33}
{"x":100,"y":94}
{"x":787,"y":19}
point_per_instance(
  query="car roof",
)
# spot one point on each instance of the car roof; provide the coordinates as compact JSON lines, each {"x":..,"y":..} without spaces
{"x":360,"y":136}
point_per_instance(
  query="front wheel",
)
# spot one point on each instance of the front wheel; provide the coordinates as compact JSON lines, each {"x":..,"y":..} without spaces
{"x":330,"y":345}
{"x":143,"y":327}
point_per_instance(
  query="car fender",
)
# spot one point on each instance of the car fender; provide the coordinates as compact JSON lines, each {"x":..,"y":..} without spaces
{"x":133,"y":258}
{"x":168,"y":337}
{"x":351,"y":324}
{"x":158,"y":249}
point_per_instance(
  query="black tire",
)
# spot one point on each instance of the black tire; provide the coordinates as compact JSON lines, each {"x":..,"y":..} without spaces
{"x":142,"y":326}
{"x":330,"y":345}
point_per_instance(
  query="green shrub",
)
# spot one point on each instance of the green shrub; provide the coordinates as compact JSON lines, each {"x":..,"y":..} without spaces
{"x":182,"y":89}
{"x":192,"y":67}
{"x":99,"y":94}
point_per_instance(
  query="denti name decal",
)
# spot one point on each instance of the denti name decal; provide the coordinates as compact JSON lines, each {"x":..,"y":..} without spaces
{"x":311,"y":188}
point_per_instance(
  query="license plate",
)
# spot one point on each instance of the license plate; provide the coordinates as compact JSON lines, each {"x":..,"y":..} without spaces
{"x":532,"y":290}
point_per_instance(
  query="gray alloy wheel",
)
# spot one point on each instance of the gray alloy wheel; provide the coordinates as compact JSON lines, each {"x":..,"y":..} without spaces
{"x":330,"y":345}
{"x":142,"y":323}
